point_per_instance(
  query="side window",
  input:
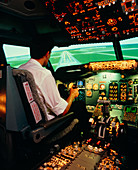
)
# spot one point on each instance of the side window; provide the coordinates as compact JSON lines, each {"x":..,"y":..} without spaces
{"x":16,"y":55}
{"x":130,"y":48}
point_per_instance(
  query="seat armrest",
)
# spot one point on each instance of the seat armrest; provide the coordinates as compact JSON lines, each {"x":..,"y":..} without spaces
{"x":48,"y":128}
{"x":58,"y":119}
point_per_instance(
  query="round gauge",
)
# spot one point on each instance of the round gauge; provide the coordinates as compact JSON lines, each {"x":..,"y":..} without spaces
{"x":89,"y":93}
{"x":95,"y":86}
{"x":102,"y":86}
{"x":88,"y":86}
{"x":130,"y":82}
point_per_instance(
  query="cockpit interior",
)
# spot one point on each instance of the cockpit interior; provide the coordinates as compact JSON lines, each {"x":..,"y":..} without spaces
{"x":95,"y":50}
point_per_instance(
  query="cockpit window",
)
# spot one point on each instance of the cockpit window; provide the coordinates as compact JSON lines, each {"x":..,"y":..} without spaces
{"x":16,"y":55}
{"x":74,"y":54}
{"x":130,"y":48}
{"x":81,"y":54}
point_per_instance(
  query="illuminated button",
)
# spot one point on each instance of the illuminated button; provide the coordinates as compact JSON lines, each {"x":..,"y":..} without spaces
{"x":90,"y":147}
{"x":114,"y":29}
{"x":100,"y":149}
{"x":96,"y":149}
{"x":45,"y":164}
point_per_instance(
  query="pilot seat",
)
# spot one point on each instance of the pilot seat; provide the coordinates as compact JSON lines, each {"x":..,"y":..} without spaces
{"x":28,"y":135}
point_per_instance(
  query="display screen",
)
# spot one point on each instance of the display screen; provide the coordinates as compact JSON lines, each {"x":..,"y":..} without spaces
{"x":130,"y":109}
{"x":16,"y":55}
{"x":130,"y":48}
{"x":81,"y":54}
{"x":80,"y":84}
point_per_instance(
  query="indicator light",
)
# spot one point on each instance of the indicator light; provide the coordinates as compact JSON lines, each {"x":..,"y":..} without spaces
{"x":67,"y":23}
{"x":114,"y":29}
{"x":112,"y":22}
{"x":120,"y":19}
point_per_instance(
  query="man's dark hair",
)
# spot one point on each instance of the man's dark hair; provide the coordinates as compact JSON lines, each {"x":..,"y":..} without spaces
{"x":40,"y":47}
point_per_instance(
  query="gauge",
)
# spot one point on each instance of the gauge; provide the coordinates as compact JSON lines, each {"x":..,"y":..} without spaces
{"x":102,"y":86}
{"x":89,"y":93}
{"x":95,"y":86}
{"x":88,"y":86}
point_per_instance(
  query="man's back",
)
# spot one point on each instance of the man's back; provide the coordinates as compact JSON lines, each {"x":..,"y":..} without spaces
{"x":47,"y":89}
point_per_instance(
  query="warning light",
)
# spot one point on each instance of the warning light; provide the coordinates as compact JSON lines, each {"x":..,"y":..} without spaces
{"x":67,"y":23}
{"x":85,"y":66}
{"x":78,"y":19}
{"x":120,"y":19}
{"x":82,"y":11}
{"x":87,"y":18}
{"x":88,"y":33}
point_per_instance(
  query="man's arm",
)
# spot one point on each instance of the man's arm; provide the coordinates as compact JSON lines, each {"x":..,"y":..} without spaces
{"x":73,"y":94}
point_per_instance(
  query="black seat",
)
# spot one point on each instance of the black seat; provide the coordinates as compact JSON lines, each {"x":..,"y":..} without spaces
{"x":35,"y":112}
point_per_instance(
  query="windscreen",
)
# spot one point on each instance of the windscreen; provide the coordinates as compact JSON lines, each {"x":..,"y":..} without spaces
{"x":74,"y":54}
{"x":81,"y":54}
{"x":16,"y":55}
{"x":130,"y":48}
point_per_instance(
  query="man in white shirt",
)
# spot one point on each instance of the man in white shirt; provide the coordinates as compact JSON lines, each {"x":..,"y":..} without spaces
{"x":45,"y":82}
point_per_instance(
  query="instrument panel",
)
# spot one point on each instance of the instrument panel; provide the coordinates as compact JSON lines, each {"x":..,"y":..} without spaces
{"x":119,"y":89}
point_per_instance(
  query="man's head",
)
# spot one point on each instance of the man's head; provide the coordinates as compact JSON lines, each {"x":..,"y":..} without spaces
{"x":41,"y":48}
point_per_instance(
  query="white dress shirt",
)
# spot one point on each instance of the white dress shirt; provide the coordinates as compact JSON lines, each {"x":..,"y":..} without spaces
{"x":47,"y":88}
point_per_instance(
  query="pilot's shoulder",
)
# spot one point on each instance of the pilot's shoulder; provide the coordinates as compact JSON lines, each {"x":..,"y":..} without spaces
{"x":46,"y":71}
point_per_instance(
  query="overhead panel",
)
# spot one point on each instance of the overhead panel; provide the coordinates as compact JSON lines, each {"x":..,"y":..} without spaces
{"x":99,"y":20}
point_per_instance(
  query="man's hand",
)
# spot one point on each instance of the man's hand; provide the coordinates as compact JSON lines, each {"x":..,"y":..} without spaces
{"x":74,"y":92}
